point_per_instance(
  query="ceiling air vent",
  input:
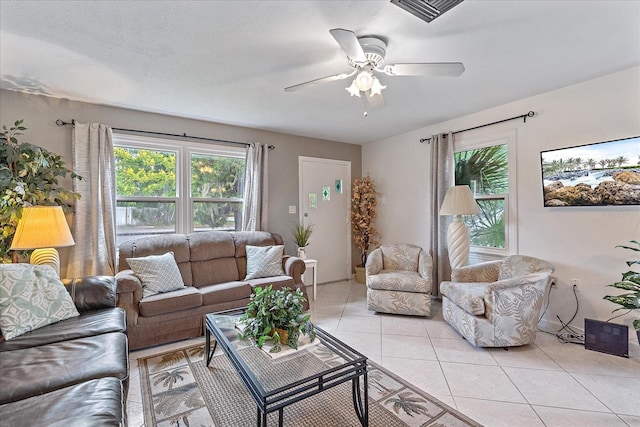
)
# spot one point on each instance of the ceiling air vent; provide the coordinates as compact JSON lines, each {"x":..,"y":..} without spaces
{"x":427,"y":10}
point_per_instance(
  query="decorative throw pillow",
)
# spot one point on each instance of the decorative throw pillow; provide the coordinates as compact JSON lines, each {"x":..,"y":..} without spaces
{"x":264,"y":261}
{"x":158,"y":273}
{"x":31,"y":296}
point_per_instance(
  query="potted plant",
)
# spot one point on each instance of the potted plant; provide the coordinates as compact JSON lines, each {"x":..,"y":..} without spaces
{"x":630,"y":282}
{"x":29,"y":176}
{"x":276,"y":315}
{"x":363,"y":215}
{"x":301,"y":234}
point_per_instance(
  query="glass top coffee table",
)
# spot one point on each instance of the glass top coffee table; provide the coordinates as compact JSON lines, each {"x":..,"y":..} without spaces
{"x":275,"y":383}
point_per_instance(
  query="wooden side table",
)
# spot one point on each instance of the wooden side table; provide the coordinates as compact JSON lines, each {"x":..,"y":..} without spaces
{"x":313,"y":263}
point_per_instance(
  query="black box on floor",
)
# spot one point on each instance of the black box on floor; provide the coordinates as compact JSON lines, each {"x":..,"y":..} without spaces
{"x":606,"y":337}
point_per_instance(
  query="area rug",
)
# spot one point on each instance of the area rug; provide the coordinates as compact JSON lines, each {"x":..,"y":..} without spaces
{"x":179,"y":390}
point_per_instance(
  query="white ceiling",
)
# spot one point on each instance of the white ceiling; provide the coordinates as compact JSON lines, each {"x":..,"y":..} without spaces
{"x":229,"y":61}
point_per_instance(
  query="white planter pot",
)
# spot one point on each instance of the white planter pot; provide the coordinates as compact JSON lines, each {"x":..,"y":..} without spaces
{"x":302,"y":253}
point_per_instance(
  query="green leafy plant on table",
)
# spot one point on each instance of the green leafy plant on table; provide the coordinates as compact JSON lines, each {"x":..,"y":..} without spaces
{"x":630,"y":282}
{"x":276,"y":315}
{"x":28,"y":177}
{"x":301,"y":233}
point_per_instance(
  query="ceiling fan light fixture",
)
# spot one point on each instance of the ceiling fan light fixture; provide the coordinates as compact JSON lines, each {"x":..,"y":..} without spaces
{"x":364,"y":81}
{"x":376,"y":87}
{"x":353,"y":89}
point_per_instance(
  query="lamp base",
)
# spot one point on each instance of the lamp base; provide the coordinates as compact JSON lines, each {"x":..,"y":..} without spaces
{"x":46,"y":256}
{"x":458,"y":243}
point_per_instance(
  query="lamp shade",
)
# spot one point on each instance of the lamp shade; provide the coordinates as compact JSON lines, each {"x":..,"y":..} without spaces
{"x":42,"y":227}
{"x":459,"y":201}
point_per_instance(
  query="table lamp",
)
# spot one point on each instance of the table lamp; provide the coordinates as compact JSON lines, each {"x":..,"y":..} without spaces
{"x":43,"y":228}
{"x":458,"y":201}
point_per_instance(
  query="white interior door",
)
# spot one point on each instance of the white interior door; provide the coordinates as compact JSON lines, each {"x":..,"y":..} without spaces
{"x":325,"y":197}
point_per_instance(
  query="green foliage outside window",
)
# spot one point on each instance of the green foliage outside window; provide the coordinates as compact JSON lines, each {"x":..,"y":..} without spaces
{"x":485,"y":171}
{"x":144,"y":173}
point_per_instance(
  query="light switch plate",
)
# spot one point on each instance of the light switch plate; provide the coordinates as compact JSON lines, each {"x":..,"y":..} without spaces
{"x":292,"y":209}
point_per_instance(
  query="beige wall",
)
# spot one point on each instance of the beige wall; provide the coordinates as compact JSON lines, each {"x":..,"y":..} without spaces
{"x":41,"y":112}
{"x":580,"y":242}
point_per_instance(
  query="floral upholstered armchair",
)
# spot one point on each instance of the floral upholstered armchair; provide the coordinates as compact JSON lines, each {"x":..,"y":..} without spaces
{"x":399,"y":280}
{"x":496,"y":303}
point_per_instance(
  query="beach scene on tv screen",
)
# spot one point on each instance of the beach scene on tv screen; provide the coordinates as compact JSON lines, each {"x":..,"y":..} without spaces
{"x":600,"y":174}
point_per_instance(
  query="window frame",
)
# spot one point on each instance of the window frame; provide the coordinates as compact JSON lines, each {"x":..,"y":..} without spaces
{"x":184,"y":202}
{"x":507,"y":138}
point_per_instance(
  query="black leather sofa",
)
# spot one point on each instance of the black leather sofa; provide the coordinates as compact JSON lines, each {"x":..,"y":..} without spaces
{"x":71,"y":373}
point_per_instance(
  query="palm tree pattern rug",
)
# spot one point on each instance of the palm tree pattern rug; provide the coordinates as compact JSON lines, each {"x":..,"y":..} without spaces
{"x":179,"y":390}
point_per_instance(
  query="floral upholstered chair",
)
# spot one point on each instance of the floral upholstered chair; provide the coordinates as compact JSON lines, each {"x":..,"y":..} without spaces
{"x":399,"y":280}
{"x":496,"y":303}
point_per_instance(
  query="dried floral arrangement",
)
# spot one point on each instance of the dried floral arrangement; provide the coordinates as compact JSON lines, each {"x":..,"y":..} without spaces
{"x":363,"y":215}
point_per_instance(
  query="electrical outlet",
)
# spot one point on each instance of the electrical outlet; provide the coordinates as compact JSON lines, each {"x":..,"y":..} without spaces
{"x":576,"y":283}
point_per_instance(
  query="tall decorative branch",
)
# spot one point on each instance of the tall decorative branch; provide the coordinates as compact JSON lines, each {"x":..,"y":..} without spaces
{"x":363,"y":215}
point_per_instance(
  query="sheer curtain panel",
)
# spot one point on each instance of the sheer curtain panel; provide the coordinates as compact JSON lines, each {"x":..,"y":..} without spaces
{"x":256,"y":184}
{"x":441,"y":179}
{"x":94,"y":221}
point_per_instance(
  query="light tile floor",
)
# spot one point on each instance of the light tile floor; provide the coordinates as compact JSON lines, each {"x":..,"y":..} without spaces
{"x":544,"y":384}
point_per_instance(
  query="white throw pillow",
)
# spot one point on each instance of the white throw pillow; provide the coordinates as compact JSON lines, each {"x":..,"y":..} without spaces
{"x":264,"y":261}
{"x":158,"y":273}
{"x":31,"y":296}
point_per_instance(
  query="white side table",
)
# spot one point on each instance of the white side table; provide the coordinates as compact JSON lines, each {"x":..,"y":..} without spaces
{"x":313,"y":263}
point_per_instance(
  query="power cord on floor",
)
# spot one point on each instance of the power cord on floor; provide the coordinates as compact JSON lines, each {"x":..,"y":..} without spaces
{"x":570,"y":335}
{"x":566,"y":334}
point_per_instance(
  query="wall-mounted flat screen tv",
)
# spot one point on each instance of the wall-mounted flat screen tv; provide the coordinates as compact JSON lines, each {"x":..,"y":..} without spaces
{"x":598,"y":174}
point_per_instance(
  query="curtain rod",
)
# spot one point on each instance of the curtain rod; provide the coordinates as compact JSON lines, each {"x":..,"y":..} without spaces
{"x":522,"y":116}
{"x":61,"y":122}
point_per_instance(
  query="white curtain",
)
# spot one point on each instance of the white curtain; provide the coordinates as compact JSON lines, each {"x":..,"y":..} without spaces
{"x":442,"y":177}
{"x":256,"y":183}
{"x":94,"y":221}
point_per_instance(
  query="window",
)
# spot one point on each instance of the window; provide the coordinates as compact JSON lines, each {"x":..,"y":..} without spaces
{"x":484,"y":167}
{"x":167,"y":186}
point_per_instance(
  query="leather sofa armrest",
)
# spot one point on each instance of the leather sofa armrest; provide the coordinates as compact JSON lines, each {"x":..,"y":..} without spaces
{"x":482,"y":272}
{"x":92,"y":292}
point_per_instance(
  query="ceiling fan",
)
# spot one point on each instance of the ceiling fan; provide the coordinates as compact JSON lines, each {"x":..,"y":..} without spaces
{"x":366,"y":56}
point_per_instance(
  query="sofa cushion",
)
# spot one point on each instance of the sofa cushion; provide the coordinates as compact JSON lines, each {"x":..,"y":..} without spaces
{"x":399,"y":280}
{"x":158,"y":273}
{"x":211,"y":245}
{"x":225,"y":292}
{"x":169,"y":302}
{"x":264,"y":261}
{"x":88,"y":324}
{"x":400,"y":257}
{"x":254,"y":238}
{"x":467,"y":296}
{"x":158,"y":245}
{"x":91,"y":403}
{"x":37,"y":370}
{"x":31,"y":296}
{"x":212,"y":271}
{"x":277,"y":282}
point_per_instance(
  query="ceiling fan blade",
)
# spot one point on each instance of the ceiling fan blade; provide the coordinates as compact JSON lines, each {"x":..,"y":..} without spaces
{"x":348,"y":41}
{"x":375,"y":101}
{"x":450,"y":69}
{"x":318,"y":81}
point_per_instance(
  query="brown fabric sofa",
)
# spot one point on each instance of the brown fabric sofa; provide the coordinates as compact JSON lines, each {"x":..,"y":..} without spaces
{"x":213,"y":267}
{"x":71,"y":373}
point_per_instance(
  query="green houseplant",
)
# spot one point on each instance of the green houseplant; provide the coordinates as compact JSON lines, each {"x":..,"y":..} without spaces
{"x":29,"y":177}
{"x":363,"y":215}
{"x":276,"y":315}
{"x":301,"y":233}
{"x":630,"y":282}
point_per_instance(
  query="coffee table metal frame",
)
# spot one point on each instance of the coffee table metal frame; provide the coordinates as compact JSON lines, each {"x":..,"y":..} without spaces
{"x":353,"y":367}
